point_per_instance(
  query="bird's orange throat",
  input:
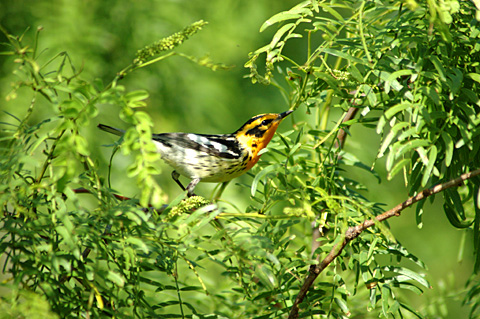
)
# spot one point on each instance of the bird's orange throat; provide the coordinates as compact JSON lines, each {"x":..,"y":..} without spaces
{"x":256,"y":144}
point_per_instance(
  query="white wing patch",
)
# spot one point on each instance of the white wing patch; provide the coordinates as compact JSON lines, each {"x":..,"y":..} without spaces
{"x":207,"y":143}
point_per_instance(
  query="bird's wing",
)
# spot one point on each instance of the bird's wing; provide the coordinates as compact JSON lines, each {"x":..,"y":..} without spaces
{"x":225,"y":146}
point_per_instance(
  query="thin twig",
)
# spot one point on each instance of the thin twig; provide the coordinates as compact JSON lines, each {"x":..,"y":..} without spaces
{"x":354,"y":232}
{"x":342,"y":134}
{"x":119,"y":197}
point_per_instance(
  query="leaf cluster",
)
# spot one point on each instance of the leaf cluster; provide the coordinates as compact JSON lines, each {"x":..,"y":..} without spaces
{"x":409,"y":71}
{"x":69,"y":240}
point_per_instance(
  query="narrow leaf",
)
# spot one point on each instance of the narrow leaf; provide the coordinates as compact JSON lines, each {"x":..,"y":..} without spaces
{"x":260,"y":175}
{"x":344,"y":55}
{"x":393,"y":82}
{"x":439,"y":66}
{"x":448,"y":148}
{"x":432,"y":157}
{"x":116,"y":278}
{"x":279,"y":34}
{"x":398,"y":108}
{"x":474,"y":76}
{"x":137,"y":242}
{"x":397,"y":167}
{"x":279,"y":17}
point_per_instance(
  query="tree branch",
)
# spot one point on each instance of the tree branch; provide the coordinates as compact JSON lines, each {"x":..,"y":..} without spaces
{"x":342,"y":134}
{"x":355,"y":231}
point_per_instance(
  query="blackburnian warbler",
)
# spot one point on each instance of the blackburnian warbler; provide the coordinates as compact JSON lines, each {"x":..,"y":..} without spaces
{"x":214,"y":158}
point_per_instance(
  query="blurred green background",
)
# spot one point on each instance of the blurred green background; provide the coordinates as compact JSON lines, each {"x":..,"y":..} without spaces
{"x":102,"y":37}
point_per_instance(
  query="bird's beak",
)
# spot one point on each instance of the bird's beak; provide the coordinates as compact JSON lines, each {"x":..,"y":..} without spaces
{"x":284,"y":114}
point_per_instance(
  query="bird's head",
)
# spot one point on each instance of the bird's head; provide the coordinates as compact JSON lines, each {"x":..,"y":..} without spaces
{"x":257,"y":132}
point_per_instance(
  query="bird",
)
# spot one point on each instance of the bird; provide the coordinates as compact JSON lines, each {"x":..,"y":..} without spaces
{"x":214,"y":158}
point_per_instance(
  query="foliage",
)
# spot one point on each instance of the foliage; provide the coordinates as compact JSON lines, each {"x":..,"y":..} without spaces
{"x":411,"y":71}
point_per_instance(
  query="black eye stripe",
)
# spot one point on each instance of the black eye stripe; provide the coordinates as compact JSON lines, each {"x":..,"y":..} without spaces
{"x":256,"y":131}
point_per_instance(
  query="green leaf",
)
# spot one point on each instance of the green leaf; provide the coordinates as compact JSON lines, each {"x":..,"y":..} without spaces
{"x":398,"y":108}
{"x":343,"y":55}
{"x":448,"y":148}
{"x":385,"y":299}
{"x":438,"y":66}
{"x":411,"y":310}
{"x":397,"y":167}
{"x":456,"y":81}
{"x":371,"y":97}
{"x":355,"y":73}
{"x":432,"y":94}
{"x":279,"y":17}
{"x":81,"y":145}
{"x":116,"y":278}
{"x":261,"y":175}
{"x":410,"y":274}
{"x":137,"y":242}
{"x":474,"y":76}
{"x":136,"y":98}
{"x":411,"y":145}
{"x":470,"y":95}
{"x":390,"y":136}
{"x":213,"y":210}
{"x":390,"y":112}
{"x":71,"y":108}
{"x":65,"y":234}
{"x":409,"y":286}
{"x":476,"y":226}
{"x":343,"y":306}
{"x":328,"y":8}
{"x":392,"y":81}
{"x":371,"y":249}
{"x":250,"y":63}
{"x":432,"y":157}
{"x":454,"y":210}
{"x":266,"y":276}
{"x":388,"y":78}
{"x":279,"y":34}
{"x":419,"y":214}
{"x":330,"y":80}
{"x":373,"y":297}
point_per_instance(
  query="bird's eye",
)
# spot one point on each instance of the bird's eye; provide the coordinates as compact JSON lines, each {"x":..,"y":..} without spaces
{"x":264,"y":122}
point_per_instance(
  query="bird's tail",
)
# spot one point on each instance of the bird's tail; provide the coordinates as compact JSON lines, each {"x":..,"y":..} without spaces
{"x":110,"y":129}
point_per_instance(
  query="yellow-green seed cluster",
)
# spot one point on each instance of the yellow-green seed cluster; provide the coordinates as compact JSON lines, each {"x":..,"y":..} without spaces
{"x":168,"y":43}
{"x":188,"y":205}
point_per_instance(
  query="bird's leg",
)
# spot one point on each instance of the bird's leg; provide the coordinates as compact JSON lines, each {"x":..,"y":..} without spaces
{"x":191,"y":187}
{"x":175,"y":177}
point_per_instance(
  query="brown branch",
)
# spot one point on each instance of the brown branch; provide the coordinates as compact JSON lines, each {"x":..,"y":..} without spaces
{"x":354,"y":232}
{"x":342,"y":135}
{"x":119,"y":197}
{"x":86,"y":191}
